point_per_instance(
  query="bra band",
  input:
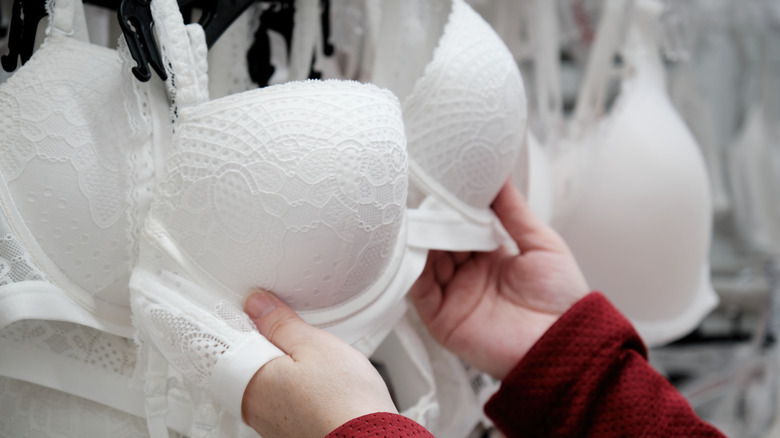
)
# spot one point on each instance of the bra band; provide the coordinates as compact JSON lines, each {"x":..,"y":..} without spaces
{"x":435,"y":226}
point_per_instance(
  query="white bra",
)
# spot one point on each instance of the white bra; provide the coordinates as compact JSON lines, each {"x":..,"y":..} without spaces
{"x":298,"y":188}
{"x":634,"y":206}
{"x":301,"y":188}
{"x":465,"y":115}
{"x":77,"y":164}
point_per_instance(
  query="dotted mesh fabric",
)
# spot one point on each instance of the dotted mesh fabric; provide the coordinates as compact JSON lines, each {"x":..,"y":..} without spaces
{"x":93,"y":348}
{"x":298,"y":188}
{"x":465,"y":119}
{"x":65,"y":144}
{"x":192,"y":341}
{"x":32,"y":411}
{"x":15,"y":263}
{"x":381,"y":425}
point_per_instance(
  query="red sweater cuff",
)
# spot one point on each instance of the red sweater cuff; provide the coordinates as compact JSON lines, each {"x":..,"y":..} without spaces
{"x":380,"y":425}
{"x":588,"y":376}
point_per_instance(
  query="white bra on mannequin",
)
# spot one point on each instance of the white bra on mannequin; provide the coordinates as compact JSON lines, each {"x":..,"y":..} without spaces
{"x":639,"y":216}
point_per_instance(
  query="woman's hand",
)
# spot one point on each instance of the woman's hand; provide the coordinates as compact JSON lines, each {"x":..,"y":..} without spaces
{"x":490,"y":308}
{"x":320,"y":384}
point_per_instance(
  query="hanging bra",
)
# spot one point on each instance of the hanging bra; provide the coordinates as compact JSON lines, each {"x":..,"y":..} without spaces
{"x":754,"y":162}
{"x":80,"y":139}
{"x":464,"y":111}
{"x":77,"y":165}
{"x":633,"y":202}
{"x":298,"y":188}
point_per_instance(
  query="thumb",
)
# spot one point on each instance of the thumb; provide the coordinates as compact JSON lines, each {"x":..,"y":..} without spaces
{"x":277,"y":321}
{"x":522,"y":224}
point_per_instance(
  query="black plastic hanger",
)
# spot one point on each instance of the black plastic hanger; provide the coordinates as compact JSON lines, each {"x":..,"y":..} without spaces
{"x":135,"y":19}
{"x":25,"y":16}
{"x":278,"y":17}
{"x":136,"y":22}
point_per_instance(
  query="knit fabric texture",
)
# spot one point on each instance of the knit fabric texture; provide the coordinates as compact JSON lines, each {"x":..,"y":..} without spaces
{"x":380,"y":425}
{"x":589,"y":376}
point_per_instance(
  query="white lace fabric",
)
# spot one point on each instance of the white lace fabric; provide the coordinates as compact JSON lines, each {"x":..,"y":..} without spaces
{"x":466,"y":115}
{"x":72,"y":191}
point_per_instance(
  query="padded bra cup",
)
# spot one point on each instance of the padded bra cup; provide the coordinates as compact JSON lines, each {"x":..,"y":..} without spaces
{"x":640,"y":222}
{"x":298,"y":188}
{"x":465,"y":119}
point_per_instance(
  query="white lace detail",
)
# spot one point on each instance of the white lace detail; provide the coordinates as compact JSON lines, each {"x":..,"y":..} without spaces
{"x":465,"y":119}
{"x":186,"y":340}
{"x":93,"y":348}
{"x":15,"y":263}
{"x":190,"y":338}
{"x":309,"y":174}
{"x":32,"y":411}
{"x":73,"y":131}
{"x":235,"y":318}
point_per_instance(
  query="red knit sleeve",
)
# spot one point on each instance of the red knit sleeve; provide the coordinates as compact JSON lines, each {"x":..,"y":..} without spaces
{"x":588,"y":377}
{"x":380,"y":425}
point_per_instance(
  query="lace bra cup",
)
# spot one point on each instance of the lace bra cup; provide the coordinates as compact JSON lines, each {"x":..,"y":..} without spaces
{"x":465,"y":120}
{"x":640,"y":223}
{"x":297,"y":188}
{"x":75,"y":182}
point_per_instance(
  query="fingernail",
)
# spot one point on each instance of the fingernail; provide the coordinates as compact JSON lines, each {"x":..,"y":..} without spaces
{"x":259,"y":304}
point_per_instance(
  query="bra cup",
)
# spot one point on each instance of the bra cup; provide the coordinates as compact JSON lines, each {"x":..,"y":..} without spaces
{"x":643,"y":240}
{"x":465,"y":118}
{"x":298,"y":188}
{"x":78,"y":213}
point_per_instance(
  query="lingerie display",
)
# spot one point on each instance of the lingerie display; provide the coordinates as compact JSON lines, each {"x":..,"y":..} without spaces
{"x":157,"y":168}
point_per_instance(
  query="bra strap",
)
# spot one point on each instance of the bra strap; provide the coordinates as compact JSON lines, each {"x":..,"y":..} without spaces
{"x":593,"y":92}
{"x":184,"y":50}
{"x":156,"y":392}
{"x":436,"y":226}
{"x":67,"y":18}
